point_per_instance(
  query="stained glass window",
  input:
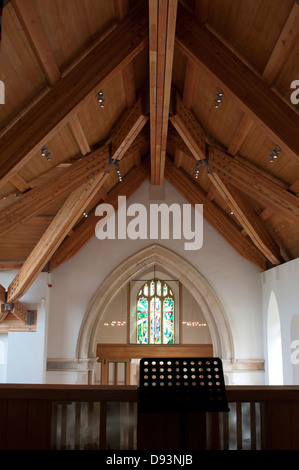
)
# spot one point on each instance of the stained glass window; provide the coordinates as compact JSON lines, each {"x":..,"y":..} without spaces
{"x":155,"y":314}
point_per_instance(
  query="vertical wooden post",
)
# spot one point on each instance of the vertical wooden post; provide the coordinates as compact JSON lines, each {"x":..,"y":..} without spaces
{"x":103,"y":425}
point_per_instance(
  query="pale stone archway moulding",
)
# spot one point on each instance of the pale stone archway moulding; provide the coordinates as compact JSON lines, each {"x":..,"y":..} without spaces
{"x":156,"y":255}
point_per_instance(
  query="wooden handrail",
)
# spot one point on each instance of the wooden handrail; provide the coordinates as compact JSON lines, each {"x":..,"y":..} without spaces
{"x":69,"y":392}
{"x":129,"y":392}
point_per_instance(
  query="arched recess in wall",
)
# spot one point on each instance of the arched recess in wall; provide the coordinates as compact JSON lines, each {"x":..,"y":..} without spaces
{"x":295,"y":348}
{"x":158,"y":256}
{"x":274,"y":343}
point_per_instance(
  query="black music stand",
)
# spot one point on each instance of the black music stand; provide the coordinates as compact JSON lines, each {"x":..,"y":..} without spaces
{"x":184,"y":385}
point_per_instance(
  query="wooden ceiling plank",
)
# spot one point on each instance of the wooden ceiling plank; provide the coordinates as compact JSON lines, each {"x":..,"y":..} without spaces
{"x":254,"y":184}
{"x":251,"y":93}
{"x":253,"y":226}
{"x":85,"y":231}
{"x":162,"y":24}
{"x":53,"y":111}
{"x":121,"y":10}
{"x":54,"y":189}
{"x":214,"y":216}
{"x":190,"y":83}
{"x":201,"y":10}
{"x":41,"y":219}
{"x":283,"y":47}
{"x":129,"y":84}
{"x":37,"y":38}
{"x":189,"y":129}
{"x":63,"y":222}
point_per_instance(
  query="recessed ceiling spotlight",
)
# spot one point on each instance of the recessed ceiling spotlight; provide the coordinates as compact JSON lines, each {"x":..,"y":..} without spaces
{"x":45,"y":153}
{"x":118,"y":171}
{"x":100,"y":98}
{"x":218,"y":98}
{"x":197,"y":168}
{"x":85,"y":213}
{"x":274,"y":153}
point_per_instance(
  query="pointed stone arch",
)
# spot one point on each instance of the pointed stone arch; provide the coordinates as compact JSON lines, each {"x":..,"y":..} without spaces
{"x":156,"y":255}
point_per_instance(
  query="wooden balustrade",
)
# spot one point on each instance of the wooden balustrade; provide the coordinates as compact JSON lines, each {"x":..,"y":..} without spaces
{"x":38,"y":417}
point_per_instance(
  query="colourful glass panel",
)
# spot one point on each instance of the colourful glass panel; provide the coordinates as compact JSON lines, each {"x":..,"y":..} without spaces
{"x":142,"y":321}
{"x":168,"y":323}
{"x":159,"y":288}
{"x":152,"y":288}
{"x":155,"y":312}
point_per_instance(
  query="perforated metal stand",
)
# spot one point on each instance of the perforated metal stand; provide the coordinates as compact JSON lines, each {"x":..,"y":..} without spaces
{"x":184,"y":385}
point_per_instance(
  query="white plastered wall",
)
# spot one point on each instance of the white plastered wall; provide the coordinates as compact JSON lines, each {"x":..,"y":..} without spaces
{"x":23,"y":354}
{"x":280,"y":291}
{"x":234,"y":280}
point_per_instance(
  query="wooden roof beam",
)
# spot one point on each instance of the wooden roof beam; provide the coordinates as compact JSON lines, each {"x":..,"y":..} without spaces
{"x":19,"y":310}
{"x":189,"y":129}
{"x":251,"y":93}
{"x":127,"y":129}
{"x":194,"y":138}
{"x":54,"y":189}
{"x":252,"y":224}
{"x":34,"y":202}
{"x":78,"y":135}
{"x":85,"y":231}
{"x":2,"y":296}
{"x":214,"y":216}
{"x":3,"y":310}
{"x":63,"y":222}
{"x":63,"y":100}
{"x":231,"y":170}
{"x":254,"y":184}
{"x":162,"y":23}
